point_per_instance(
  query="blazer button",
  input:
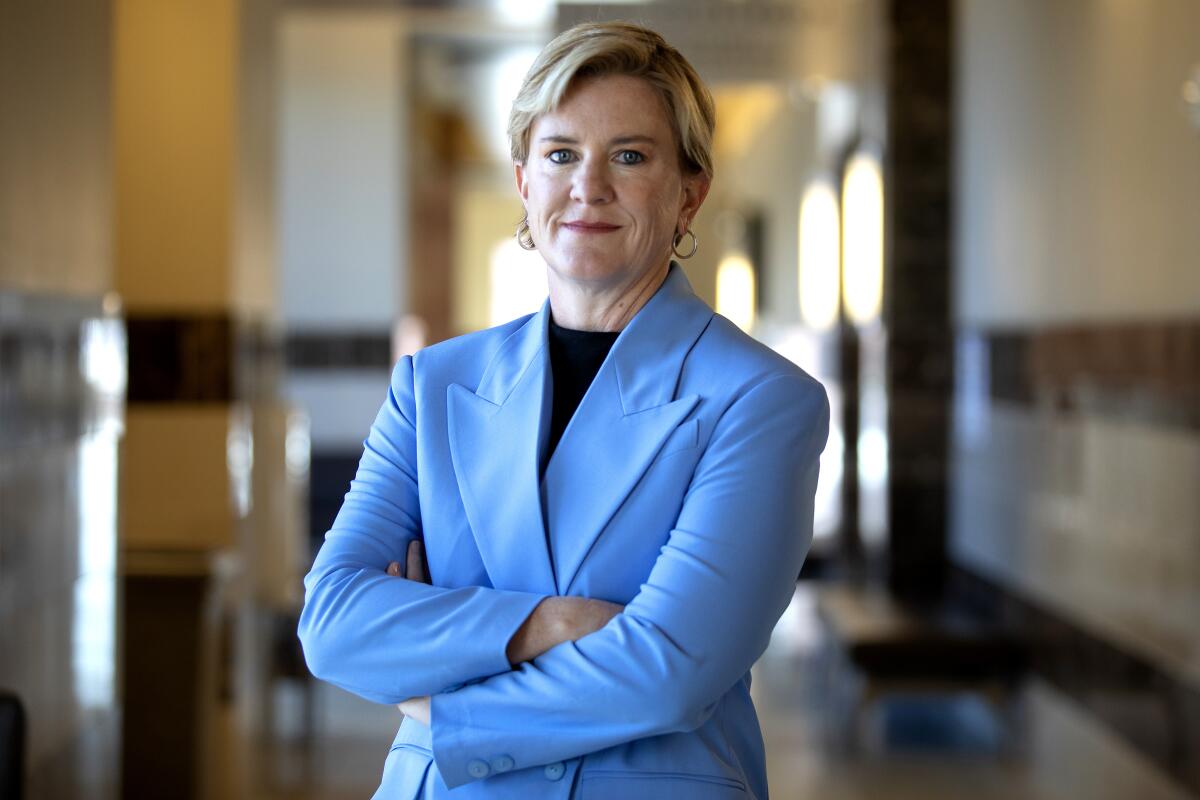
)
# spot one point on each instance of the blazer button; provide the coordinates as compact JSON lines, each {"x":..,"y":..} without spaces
{"x":554,"y":771}
{"x":477,"y":768}
{"x":502,"y":764}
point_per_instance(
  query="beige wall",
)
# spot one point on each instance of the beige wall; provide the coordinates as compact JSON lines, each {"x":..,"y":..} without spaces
{"x":193,"y":105}
{"x":342,"y":218}
{"x":174,"y":112}
{"x":55,"y":170}
{"x":1078,"y":175}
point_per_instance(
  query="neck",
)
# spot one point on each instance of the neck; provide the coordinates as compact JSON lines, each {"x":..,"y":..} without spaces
{"x":585,"y":307}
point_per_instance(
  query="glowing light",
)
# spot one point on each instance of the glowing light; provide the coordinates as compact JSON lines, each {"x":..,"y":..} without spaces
{"x":735,"y":291}
{"x":1191,"y":92}
{"x":297,"y":445}
{"x":862,"y":239}
{"x":526,"y":12}
{"x":93,"y":631}
{"x":820,"y":253}
{"x":518,"y":282}
{"x":102,"y":355}
{"x":239,"y":459}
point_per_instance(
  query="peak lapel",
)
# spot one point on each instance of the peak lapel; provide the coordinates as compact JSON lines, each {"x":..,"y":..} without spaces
{"x":626,"y":415}
{"x":495,"y":434}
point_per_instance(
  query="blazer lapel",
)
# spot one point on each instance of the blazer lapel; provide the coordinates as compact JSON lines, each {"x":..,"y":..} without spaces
{"x":495,"y":434}
{"x":628,"y":412}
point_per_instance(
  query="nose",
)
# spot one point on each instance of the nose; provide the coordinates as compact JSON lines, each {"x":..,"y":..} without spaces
{"x":592,"y":182}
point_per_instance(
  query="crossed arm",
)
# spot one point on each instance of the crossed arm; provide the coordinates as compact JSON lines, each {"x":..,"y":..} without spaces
{"x":703,"y":615}
{"x":387,"y":638}
{"x":554,"y":620}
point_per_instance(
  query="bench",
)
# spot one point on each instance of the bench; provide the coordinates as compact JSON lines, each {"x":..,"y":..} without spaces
{"x":888,"y":648}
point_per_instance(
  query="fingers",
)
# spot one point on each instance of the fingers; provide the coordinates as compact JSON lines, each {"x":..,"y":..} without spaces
{"x":417,"y":569}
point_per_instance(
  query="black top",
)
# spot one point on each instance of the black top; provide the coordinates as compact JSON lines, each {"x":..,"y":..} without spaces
{"x":575,"y":358}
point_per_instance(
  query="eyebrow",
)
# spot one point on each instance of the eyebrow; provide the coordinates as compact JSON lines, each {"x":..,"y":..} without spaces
{"x":633,"y":138}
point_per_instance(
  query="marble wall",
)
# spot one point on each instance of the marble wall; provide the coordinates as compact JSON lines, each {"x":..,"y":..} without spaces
{"x":62,"y":376}
{"x":62,"y":365}
{"x":1075,"y":454}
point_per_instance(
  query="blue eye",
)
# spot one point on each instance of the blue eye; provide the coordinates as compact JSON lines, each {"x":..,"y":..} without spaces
{"x":559,"y":156}
{"x":630,"y":157}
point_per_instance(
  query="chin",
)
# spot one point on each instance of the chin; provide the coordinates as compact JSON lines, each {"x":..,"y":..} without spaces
{"x":591,"y":268}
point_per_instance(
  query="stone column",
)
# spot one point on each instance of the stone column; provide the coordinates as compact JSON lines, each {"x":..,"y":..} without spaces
{"x":918,"y":306}
{"x":61,"y":365}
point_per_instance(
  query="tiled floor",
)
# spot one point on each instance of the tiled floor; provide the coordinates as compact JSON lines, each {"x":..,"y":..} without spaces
{"x":924,"y":749}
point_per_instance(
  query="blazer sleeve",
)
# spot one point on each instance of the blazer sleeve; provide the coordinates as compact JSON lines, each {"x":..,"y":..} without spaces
{"x":699,"y":622}
{"x":388,"y":638}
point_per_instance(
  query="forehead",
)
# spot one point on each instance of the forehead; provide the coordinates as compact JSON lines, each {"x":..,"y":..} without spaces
{"x":608,"y":105}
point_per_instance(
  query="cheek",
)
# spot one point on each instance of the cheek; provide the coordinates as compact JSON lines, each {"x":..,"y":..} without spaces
{"x":662,"y":203}
{"x":664,"y":208}
{"x":542,"y":199}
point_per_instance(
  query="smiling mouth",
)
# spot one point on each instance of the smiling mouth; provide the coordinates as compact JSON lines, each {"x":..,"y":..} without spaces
{"x":590,"y":227}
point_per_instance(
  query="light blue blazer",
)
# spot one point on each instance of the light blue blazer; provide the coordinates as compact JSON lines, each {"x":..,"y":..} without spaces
{"x":682,"y":488}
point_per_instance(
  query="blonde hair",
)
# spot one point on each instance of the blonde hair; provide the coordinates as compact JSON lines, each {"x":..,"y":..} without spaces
{"x":618,"y":48}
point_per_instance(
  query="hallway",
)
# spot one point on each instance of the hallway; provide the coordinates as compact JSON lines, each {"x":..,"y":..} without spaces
{"x":930,"y":747}
{"x":224,"y":223}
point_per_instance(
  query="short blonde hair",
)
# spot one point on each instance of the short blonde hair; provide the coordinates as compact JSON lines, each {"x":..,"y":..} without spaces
{"x":618,"y":48}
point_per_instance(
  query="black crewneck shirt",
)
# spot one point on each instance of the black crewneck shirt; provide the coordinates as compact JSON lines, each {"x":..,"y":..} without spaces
{"x":575,"y":358}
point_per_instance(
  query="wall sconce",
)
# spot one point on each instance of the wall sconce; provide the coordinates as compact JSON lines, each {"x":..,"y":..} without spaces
{"x":820,"y":256}
{"x":1191,"y":96}
{"x":862,"y":238}
{"x":736,"y":290}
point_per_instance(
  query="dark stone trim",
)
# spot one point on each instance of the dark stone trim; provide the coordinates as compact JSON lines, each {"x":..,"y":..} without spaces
{"x":339,"y":350}
{"x":1155,"y":712}
{"x":181,"y":359}
{"x":200,"y":358}
{"x":1147,"y":371}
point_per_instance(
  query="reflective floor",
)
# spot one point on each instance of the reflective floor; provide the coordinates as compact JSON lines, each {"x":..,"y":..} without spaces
{"x":906,"y":747}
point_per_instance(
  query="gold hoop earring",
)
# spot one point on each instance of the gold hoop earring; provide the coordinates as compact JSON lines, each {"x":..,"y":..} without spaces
{"x":679,"y":238}
{"x":524,"y":235}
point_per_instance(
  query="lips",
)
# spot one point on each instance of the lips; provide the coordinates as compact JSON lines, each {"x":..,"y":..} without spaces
{"x":583,"y":226}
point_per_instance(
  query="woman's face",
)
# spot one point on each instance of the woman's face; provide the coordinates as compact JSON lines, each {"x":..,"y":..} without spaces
{"x":603,"y":186}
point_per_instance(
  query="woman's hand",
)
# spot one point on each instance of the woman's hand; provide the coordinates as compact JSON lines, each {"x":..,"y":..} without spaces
{"x":415,"y":570}
{"x":416,"y":708}
{"x":556,"y":620}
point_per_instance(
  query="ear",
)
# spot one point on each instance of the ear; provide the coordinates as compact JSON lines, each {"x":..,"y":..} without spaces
{"x":695,"y":189}
{"x":522,"y":185}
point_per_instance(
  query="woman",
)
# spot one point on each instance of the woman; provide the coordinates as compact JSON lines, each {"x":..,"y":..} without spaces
{"x":597,"y":591}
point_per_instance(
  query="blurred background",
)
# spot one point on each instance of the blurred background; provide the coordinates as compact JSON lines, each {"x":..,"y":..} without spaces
{"x":977,"y":222}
